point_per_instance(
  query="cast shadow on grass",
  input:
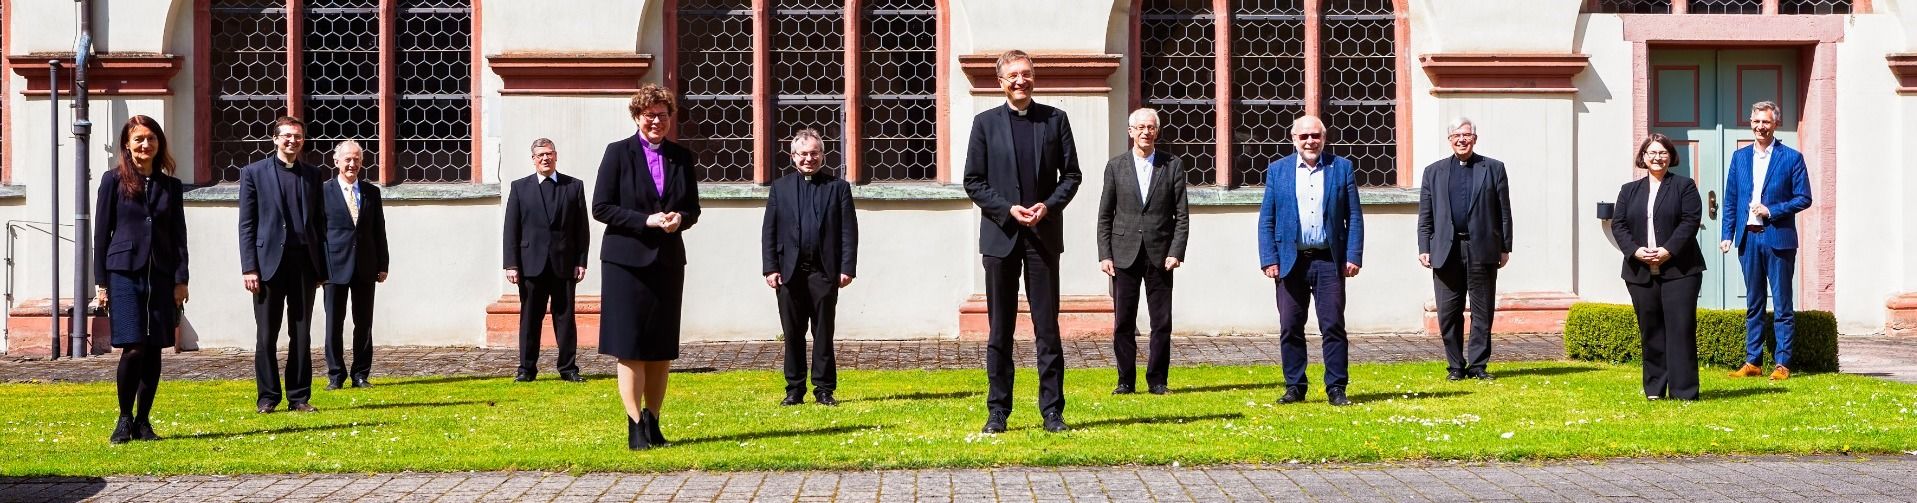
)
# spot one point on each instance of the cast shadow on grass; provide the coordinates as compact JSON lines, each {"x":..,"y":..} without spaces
{"x":51,"y":489}
{"x":921,"y":395}
{"x":403,"y":405}
{"x":1275,"y":386}
{"x":757,"y":435}
{"x":1544,"y":371}
{"x":1125,"y":421}
{"x":1404,"y":395}
{"x":270,"y":431}
{"x":442,"y":380}
{"x":1710,"y":394}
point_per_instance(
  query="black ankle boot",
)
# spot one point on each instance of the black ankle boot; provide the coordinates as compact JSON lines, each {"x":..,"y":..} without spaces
{"x":143,"y":430}
{"x":636,"y":435}
{"x":651,"y":422}
{"x":122,"y":430}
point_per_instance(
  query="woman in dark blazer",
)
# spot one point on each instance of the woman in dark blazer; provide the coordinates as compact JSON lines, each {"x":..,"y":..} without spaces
{"x":139,"y":263}
{"x":646,"y":194}
{"x":1655,"y":223}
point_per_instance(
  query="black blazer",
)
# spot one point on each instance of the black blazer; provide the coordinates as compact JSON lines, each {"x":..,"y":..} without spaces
{"x":991,"y":176}
{"x":623,"y":196}
{"x":1676,"y":220}
{"x":1156,"y":230}
{"x":837,"y":227}
{"x":356,"y":252}
{"x":1490,"y":222}
{"x":135,"y":232}
{"x":264,"y":216}
{"x":537,"y":235}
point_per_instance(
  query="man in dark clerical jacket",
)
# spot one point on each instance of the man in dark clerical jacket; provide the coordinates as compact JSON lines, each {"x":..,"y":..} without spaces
{"x":545,"y":254}
{"x":810,"y":249}
{"x":281,"y":248}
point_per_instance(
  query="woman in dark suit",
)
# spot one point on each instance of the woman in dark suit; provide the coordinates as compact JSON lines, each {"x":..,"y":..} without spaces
{"x":139,"y":263}
{"x":647,"y":192}
{"x":1655,"y":223}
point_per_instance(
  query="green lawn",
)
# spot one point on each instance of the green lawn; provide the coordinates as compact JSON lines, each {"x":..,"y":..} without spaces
{"x":914,"y":419}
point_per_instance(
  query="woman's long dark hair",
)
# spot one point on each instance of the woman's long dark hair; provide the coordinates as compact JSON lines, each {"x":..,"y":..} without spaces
{"x":131,"y":183}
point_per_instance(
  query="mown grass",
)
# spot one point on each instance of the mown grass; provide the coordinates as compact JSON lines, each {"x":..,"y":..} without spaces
{"x":916,"y":419}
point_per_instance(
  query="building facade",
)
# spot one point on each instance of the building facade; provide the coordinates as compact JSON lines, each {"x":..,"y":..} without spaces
{"x":447,"y":95}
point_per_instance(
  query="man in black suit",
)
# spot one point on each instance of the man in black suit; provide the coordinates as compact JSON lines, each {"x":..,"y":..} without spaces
{"x":1142,"y":227}
{"x":545,"y":254}
{"x":810,"y":249}
{"x":1464,"y":237}
{"x":1021,"y":169}
{"x":356,"y":259}
{"x":281,"y":244}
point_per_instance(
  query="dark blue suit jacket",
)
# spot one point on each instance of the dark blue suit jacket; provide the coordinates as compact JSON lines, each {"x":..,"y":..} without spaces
{"x":623,"y":195}
{"x":1278,"y":228}
{"x":1786,"y":192}
{"x":147,"y":230}
{"x":356,"y":252}
{"x":263,"y":217}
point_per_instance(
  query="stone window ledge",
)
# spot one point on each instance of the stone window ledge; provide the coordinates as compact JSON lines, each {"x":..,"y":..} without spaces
{"x":402,"y":192}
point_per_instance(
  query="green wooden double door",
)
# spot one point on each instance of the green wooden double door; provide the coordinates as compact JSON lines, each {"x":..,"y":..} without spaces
{"x":1701,"y":98}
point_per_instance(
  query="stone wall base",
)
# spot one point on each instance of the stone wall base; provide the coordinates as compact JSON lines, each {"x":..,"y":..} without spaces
{"x":27,"y":328}
{"x":502,"y":322}
{"x":1079,"y":317}
{"x":1900,"y":315}
{"x":1518,"y":313}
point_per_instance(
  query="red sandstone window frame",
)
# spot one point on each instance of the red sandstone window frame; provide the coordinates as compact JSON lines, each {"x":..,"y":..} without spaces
{"x":852,"y":145}
{"x":387,"y":140}
{"x":1770,"y":7}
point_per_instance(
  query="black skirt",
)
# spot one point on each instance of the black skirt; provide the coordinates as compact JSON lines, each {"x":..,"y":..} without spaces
{"x":143,"y":313}
{"x":639,"y":310}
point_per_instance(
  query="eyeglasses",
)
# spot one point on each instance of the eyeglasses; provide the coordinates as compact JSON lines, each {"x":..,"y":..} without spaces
{"x":1027,"y":75}
{"x":1145,"y":127}
{"x":1464,"y":135}
{"x":289,"y":136}
{"x":1656,"y":153}
{"x":655,"y":117}
{"x":1308,"y":136}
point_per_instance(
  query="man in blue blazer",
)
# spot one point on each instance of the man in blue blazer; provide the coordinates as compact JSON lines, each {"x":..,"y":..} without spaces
{"x":1767,"y":186}
{"x":1311,"y":236}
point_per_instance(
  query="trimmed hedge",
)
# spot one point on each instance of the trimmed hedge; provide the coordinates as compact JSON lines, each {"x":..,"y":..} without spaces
{"x":1608,"y":333}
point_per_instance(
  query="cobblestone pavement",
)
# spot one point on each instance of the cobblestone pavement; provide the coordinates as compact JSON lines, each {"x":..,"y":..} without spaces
{"x":1820,"y":479}
{"x":235,"y":363}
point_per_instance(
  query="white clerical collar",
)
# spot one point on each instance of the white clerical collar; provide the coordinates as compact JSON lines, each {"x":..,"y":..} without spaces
{"x":1019,"y":111}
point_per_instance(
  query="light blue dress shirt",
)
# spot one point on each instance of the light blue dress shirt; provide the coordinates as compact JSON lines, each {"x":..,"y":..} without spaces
{"x":1310,"y":187}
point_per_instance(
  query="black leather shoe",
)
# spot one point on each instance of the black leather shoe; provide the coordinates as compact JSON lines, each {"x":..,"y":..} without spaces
{"x":334,"y":383}
{"x":524,"y":376}
{"x":650,"y":423}
{"x":1480,"y":375}
{"x":792,"y":399}
{"x":302,"y":407}
{"x":1293,"y":394}
{"x":143,"y":430}
{"x":636,"y":435}
{"x":825,"y":398}
{"x":265,"y":408}
{"x":1124,"y":389}
{"x":361,"y":382}
{"x":1055,"y":422}
{"x":1160,"y":389}
{"x":122,"y":430}
{"x":1455,"y":375}
{"x":1337,"y":397}
{"x":995,"y":422}
{"x":571,"y":377}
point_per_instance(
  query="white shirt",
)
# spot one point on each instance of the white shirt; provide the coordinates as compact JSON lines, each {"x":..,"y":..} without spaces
{"x":350,"y":191}
{"x":1760,"y":166}
{"x":1142,"y":168}
{"x":1650,"y":221}
{"x":1310,"y":190}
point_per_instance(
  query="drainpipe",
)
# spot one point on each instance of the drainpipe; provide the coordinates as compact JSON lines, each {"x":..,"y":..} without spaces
{"x":53,"y":187}
{"x":82,"y":179}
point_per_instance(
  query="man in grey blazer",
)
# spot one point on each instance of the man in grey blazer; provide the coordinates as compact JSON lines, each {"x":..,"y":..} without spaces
{"x":1464,"y":237}
{"x":1142,"y":228}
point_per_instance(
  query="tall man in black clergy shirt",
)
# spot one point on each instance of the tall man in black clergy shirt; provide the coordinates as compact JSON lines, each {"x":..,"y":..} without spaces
{"x":1021,"y":169}
{"x":810,"y":249}
{"x":356,"y":259}
{"x":1464,"y":237}
{"x":280,"y":259}
{"x":545,"y":254}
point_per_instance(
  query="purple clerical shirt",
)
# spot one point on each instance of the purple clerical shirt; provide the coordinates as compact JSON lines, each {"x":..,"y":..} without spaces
{"x":654,"y":164}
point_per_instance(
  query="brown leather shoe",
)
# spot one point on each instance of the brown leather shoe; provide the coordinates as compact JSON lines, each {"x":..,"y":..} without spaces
{"x":302,"y":407}
{"x":1780,"y":373}
{"x":1748,"y":370}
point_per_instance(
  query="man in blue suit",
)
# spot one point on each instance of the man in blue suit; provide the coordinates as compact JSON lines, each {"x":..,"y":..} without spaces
{"x":1311,"y":236}
{"x":1767,"y":186}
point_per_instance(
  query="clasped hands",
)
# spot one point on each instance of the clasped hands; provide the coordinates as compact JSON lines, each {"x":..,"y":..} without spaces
{"x":1029,"y":216}
{"x":1652,"y":256}
{"x":665,"y":221}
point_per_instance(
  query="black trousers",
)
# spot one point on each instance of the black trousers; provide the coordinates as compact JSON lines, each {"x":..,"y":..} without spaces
{"x":809,"y":299}
{"x":1667,"y":323}
{"x":1158,"y":296}
{"x":1040,"y":269}
{"x":288,"y":294}
{"x":550,"y":292}
{"x":1466,"y":276}
{"x":360,"y":295}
